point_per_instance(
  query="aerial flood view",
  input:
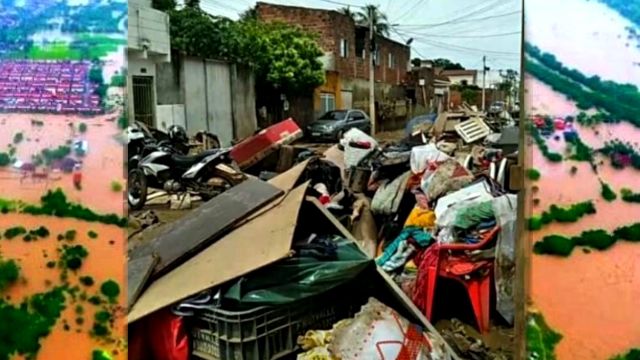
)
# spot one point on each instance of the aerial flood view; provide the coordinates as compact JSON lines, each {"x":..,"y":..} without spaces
{"x":62,"y":78}
{"x":583,"y":106}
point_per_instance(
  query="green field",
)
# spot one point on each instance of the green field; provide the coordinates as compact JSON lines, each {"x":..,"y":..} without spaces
{"x":83,"y":47}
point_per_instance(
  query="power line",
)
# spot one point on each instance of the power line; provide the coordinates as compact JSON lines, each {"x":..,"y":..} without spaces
{"x":409,"y":10}
{"x":465,"y":36}
{"x":341,"y":3}
{"x":463,"y":20}
{"x":211,"y":5}
{"x":452,"y":47}
{"x":463,"y":16}
{"x":405,"y":41}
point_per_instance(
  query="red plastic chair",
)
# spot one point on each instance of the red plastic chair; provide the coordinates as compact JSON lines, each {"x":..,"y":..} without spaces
{"x":452,"y":261}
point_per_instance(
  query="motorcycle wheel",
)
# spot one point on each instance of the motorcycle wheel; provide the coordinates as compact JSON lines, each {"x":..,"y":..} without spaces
{"x":228,"y":180}
{"x":136,"y":189}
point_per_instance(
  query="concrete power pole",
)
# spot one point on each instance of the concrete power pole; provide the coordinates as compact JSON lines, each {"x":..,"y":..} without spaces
{"x":372,"y":103}
{"x":484,"y":76}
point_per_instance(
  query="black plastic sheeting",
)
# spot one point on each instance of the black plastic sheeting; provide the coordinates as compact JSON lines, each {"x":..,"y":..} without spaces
{"x":312,"y":271}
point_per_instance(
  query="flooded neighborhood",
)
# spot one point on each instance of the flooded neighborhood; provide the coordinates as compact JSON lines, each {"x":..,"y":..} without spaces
{"x":61,"y":114}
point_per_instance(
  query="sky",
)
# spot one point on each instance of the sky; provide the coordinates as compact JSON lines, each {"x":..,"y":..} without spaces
{"x":460,"y":30}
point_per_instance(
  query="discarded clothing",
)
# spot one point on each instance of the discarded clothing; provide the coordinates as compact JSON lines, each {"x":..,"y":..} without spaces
{"x":421,"y":237}
{"x":450,"y":176}
{"x":325,"y":172}
{"x":404,"y":252}
{"x":316,"y":342}
{"x":319,"y":247}
{"x":388,"y":197}
{"x":317,"y":353}
{"x":421,"y":218}
{"x":474,"y":214}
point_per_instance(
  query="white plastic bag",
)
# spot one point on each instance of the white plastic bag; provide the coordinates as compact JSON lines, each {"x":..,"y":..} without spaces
{"x":352,"y":156}
{"x":380,"y":333}
{"x":505,"y":208}
{"x":421,"y":156}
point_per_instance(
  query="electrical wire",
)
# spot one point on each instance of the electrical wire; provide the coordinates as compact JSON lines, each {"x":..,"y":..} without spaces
{"x":409,"y":10}
{"x":470,"y":50}
{"x":343,"y":4}
{"x":444,"y":44}
{"x":456,"y":20}
{"x":222,"y":5}
{"x":420,"y":35}
{"x":405,"y":41}
{"x":463,"y":20}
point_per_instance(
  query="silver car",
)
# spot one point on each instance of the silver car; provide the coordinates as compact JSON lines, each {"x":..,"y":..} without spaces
{"x":333,"y":124}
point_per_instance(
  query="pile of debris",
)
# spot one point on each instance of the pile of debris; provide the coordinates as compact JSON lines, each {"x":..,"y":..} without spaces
{"x":296,"y":259}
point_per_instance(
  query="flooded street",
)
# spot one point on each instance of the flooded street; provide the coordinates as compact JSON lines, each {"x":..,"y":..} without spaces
{"x":589,"y":298}
{"x":102,"y":165}
{"x":595,"y":42}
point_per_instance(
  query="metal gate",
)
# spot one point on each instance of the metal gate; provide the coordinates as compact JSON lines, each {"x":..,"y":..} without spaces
{"x":143,"y":101}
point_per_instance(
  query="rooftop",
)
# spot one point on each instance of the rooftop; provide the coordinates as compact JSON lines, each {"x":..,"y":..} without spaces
{"x":458,"y":72}
{"x":332,"y":12}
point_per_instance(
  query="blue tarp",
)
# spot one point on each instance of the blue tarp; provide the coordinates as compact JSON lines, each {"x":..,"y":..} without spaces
{"x":419,"y":120}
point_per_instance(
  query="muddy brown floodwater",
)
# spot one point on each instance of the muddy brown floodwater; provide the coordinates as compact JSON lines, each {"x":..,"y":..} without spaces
{"x":590,"y":298}
{"x":102,"y":165}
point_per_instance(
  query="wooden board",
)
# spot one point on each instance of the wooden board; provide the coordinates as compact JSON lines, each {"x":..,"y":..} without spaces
{"x":263,"y":240}
{"x":138,"y":272}
{"x":206,"y":224}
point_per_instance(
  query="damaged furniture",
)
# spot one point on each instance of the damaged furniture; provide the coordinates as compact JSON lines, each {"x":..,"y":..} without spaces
{"x":456,"y":261}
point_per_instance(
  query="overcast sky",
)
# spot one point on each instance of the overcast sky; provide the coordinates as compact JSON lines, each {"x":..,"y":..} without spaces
{"x":460,"y":30}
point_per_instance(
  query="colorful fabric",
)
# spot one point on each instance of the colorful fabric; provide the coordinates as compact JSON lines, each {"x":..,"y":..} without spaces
{"x":421,"y":218}
{"x":419,"y":236}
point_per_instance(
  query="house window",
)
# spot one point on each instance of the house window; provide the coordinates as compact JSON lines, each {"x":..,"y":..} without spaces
{"x":361,"y":50}
{"x":376,"y":57}
{"x":344,"y":48}
{"x":391,"y":61}
{"x":327,"y":102}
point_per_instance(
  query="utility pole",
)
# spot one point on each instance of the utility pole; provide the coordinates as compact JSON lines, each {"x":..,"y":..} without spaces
{"x":484,"y":76}
{"x":372,"y":103}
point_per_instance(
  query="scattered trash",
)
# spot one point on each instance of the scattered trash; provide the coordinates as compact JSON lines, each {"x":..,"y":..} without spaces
{"x":434,"y":204}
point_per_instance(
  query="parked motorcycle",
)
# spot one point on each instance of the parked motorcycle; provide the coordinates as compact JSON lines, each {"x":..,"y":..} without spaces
{"x":162,"y":166}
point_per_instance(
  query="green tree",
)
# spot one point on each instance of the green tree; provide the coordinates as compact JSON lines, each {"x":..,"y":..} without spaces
{"x":469,"y":96}
{"x":5,"y":159}
{"x":198,"y":34}
{"x":194,"y":4}
{"x":249,"y":14}
{"x":348,"y":12}
{"x":164,"y":5}
{"x":416,"y":62}
{"x":447,"y":64}
{"x":281,"y":55}
{"x":82,"y":128}
{"x":380,"y":21}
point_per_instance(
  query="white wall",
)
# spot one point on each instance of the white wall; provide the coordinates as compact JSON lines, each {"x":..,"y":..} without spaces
{"x":167,"y":115}
{"x":150,"y":26}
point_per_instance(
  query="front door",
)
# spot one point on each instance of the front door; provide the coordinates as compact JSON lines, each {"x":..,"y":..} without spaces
{"x":143,"y":99}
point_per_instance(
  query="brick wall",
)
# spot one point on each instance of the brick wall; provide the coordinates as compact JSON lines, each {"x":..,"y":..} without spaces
{"x":331,"y":27}
{"x":320,"y":22}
